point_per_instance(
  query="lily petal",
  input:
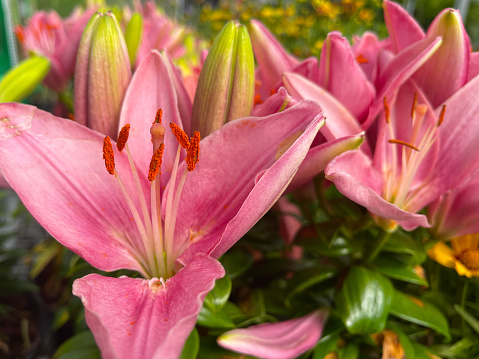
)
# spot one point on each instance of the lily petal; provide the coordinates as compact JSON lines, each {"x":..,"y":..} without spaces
{"x":281,"y":340}
{"x":220,"y":199}
{"x":366,"y":48}
{"x":85,"y":211}
{"x":151,"y":88}
{"x":278,"y":102}
{"x":354,"y":177}
{"x":450,"y":61}
{"x":473,"y":66}
{"x":136,"y":318}
{"x":340,"y":74}
{"x":340,"y":122}
{"x":402,"y":28}
{"x":319,"y":156}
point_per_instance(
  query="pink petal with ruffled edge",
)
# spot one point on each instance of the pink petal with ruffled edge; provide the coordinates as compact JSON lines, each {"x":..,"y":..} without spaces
{"x":353,"y":175}
{"x":446,"y":71}
{"x":281,"y":340}
{"x":367,"y":48}
{"x":56,"y":168}
{"x":151,"y":88}
{"x":130,"y":320}
{"x":341,"y":75}
{"x":280,"y":101}
{"x":402,"y":28}
{"x":220,"y":200}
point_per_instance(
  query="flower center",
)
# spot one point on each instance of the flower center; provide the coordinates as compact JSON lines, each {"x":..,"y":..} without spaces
{"x":470,"y":258}
{"x":405,"y":157}
{"x":154,"y":249}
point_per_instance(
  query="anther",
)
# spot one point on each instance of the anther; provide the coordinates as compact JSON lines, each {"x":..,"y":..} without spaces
{"x":108,"y":156}
{"x":180,"y":135}
{"x":192,"y":155}
{"x":399,"y":142}
{"x":414,"y":103}
{"x":361,"y":59}
{"x":386,"y":109}
{"x":257,"y":99}
{"x":123,"y":137}
{"x":159,"y":115}
{"x":441,"y":116}
{"x":155,"y":163}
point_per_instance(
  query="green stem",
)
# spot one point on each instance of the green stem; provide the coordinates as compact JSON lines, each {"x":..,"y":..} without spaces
{"x":463,"y":304}
{"x":381,"y":240}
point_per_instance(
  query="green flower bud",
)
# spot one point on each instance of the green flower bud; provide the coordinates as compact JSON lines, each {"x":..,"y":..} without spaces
{"x":225,"y":89}
{"x":20,"y":81}
{"x":133,"y":34}
{"x":102,"y":74}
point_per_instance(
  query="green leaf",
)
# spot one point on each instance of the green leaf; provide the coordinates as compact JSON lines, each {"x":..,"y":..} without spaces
{"x":403,"y":339}
{"x":307,"y":278}
{"x":47,"y":253}
{"x":402,"y":243}
{"x":218,"y":296}
{"x":398,"y":270}
{"x":338,"y":246}
{"x":192,"y":346}
{"x":421,"y":351}
{"x":325,"y":346}
{"x":364,"y":300}
{"x":236,"y":262}
{"x":460,"y":349}
{"x":61,"y":317}
{"x":350,"y":351}
{"x":81,"y":343}
{"x":473,"y":322}
{"x":211,"y":319}
{"x":419,"y":312}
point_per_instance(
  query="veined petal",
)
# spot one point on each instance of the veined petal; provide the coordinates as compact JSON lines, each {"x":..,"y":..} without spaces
{"x":446,"y":71}
{"x":340,"y":122}
{"x":56,"y":168}
{"x":220,"y":199}
{"x":281,"y":340}
{"x":458,"y":155}
{"x":272,"y":58}
{"x":151,"y":88}
{"x":402,"y":28}
{"x":136,"y":318}
{"x":319,"y":156}
{"x":354,"y":176}
{"x":340,"y":74}
{"x":399,"y":70}
{"x":278,"y":102}
{"x":473,"y":65}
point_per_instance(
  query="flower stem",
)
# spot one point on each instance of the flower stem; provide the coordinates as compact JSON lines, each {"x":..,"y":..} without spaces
{"x":381,"y":240}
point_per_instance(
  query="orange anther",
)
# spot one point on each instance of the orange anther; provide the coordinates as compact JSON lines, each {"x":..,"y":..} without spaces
{"x":71,"y":116}
{"x":155,"y":163}
{"x":272,"y":92}
{"x":399,"y":142}
{"x":159,"y":116}
{"x":20,"y":34}
{"x":193,"y":152}
{"x":361,"y":59}
{"x":414,"y":103}
{"x":123,"y":137}
{"x":108,"y":156}
{"x":257,"y":100}
{"x":441,"y":116}
{"x":386,"y":109}
{"x":180,"y":135}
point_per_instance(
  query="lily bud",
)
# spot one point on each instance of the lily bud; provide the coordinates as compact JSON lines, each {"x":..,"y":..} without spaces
{"x":225,"y":89}
{"x":133,"y":34}
{"x":102,"y":74}
{"x":20,"y":81}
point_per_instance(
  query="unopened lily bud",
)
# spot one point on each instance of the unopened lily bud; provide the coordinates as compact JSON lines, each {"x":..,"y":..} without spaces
{"x":225,"y":89}
{"x":133,"y":34}
{"x":102,"y":74}
{"x":20,"y":81}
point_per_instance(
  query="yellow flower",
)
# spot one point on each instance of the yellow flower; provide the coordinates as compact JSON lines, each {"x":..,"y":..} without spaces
{"x":462,"y":255}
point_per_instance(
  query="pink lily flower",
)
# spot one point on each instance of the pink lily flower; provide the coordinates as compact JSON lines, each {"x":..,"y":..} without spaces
{"x":56,"y":39}
{"x":168,"y":226}
{"x":281,"y":340}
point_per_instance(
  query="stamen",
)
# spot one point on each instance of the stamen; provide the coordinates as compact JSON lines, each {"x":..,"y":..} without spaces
{"x":159,"y":115}
{"x":123,"y":137}
{"x":192,"y":155}
{"x":272,"y":92}
{"x":180,"y":135}
{"x":441,"y":116}
{"x":155,"y":163}
{"x":386,"y":109}
{"x":414,"y":103}
{"x":257,"y":100}
{"x":361,"y":59}
{"x":108,"y":156}
{"x":399,"y":142}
